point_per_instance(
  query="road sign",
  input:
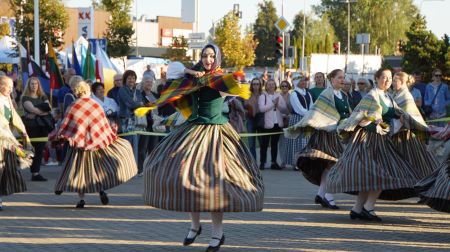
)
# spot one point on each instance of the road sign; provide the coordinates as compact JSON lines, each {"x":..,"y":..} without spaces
{"x":198,"y":44}
{"x":197,"y":35}
{"x":282,"y":24}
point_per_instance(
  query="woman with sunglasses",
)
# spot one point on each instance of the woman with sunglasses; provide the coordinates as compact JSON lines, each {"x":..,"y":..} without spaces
{"x":324,"y":147}
{"x":437,"y":97}
{"x":251,"y":105}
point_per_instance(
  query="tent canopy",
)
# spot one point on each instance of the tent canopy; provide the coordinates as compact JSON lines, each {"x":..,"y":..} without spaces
{"x":7,"y":53}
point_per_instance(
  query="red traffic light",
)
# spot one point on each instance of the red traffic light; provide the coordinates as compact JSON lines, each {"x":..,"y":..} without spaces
{"x":279,"y":39}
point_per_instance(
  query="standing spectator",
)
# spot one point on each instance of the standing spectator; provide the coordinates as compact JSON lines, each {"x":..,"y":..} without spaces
{"x":109,"y":106}
{"x":288,"y":76}
{"x":11,"y":180}
{"x":419,"y":84}
{"x":66,"y":88}
{"x":251,"y":105}
{"x":363,"y":86}
{"x":69,"y":98}
{"x":126,"y":103}
{"x":146,"y":143}
{"x":285,"y":87}
{"x":272,"y":105}
{"x":114,"y":92}
{"x":265,"y":77}
{"x":353,"y":96}
{"x":437,"y":95}
{"x":35,"y":103}
{"x":149,"y":73}
{"x":319,"y":80}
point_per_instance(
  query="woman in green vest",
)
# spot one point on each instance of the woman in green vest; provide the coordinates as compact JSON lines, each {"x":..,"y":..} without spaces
{"x":203,"y":165}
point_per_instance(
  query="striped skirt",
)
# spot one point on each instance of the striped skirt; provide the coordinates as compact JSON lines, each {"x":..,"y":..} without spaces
{"x":414,"y":151}
{"x":203,"y":168}
{"x":87,"y":171}
{"x":11,"y":180}
{"x":371,"y":163}
{"x":435,"y":188}
{"x":321,"y":152}
{"x":291,"y":147}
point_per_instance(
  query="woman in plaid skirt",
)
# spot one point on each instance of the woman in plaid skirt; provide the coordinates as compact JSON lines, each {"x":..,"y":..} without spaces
{"x":97,"y":159}
{"x":324,"y":147}
{"x":203,"y":165}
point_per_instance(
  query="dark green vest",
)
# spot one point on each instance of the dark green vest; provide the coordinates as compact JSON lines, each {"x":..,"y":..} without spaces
{"x":207,"y":105}
{"x":342,"y":106}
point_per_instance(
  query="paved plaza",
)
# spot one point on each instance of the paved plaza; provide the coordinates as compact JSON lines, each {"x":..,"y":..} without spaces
{"x":38,"y":220}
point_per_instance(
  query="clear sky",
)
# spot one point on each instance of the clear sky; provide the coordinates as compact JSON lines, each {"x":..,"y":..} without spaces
{"x":435,"y":11}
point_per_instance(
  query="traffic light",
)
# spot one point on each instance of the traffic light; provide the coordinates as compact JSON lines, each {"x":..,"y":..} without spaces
{"x":279,"y":46}
{"x":337,"y":47}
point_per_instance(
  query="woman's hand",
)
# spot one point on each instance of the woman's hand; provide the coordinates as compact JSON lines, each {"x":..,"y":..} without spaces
{"x":199,"y":74}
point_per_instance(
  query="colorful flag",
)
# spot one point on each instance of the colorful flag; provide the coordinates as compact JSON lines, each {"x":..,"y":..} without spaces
{"x":106,"y":69}
{"x":56,"y":79}
{"x":89,"y":65}
{"x":98,"y":64}
{"x":75,"y":63}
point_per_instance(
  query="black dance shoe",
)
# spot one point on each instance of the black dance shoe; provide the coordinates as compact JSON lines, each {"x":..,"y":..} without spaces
{"x":188,"y":241}
{"x":38,"y":178}
{"x":58,"y":192}
{"x":104,"y":198}
{"x":370,"y":215}
{"x":216,"y":248}
{"x":275,"y":166}
{"x":80,"y":204}
{"x":261,"y":167}
{"x":324,"y":202}
{"x":354,"y":215}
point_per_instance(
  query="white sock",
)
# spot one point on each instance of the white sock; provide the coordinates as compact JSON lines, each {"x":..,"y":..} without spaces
{"x":330,"y":198}
{"x":359,"y":203}
{"x":195,"y":224}
{"x":323,"y":183}
{"x":217,"y":228}
{"x":371,"y":199}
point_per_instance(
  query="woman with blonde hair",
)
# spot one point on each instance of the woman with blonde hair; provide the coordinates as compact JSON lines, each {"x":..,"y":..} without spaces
{"x":409,"y":134}
{"x":38,"y":121}
{"x":11,"y":180}
{"x":96,"y":159}
{"x":251,"y":105}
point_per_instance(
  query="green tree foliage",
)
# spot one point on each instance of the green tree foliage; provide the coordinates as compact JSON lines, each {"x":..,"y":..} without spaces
{"x":422,"y":51}
{"x":53,"y":21}
{"x":319,"y":34}
{"x":385,"y":20}
{"x":265,"y":34}
{"x":120,"y":29}
{"x":238,"y":51}
{"x":177,"y":51}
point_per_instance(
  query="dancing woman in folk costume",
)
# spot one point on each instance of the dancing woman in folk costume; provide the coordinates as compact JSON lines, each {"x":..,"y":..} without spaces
{"x":11,"y":151}
{"x":97,"y":159}
{"x":203,"y":166}
{"x":370,"y":165}
{"x":324,"y":147}
{"x":408,"y":140}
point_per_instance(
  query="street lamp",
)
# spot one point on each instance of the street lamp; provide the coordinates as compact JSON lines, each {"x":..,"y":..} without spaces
{"x":348,"y":2}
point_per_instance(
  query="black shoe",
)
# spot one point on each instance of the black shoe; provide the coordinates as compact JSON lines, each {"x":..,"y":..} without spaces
{"x":261,"y":167}
{"x":80,"y":204}
{"x":354,"y":215}
{"x":104,"y":198}
{"x":58,"y":192}
{"x":275,"y":166}
{"x":370,"y":215}
{"x":188,"y":241}
{"x":216,"y":248}
{"x":325,"y":203}
{"x":38,"y":178}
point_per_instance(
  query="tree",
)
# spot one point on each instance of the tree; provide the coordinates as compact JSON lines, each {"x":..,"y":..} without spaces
{"x":120,"y":29}
{"x":53,"y":21}
{"x":265,"y":34}
{"x":422,"y":50}
{"x":385,"y":20}
{"x":177,"y":51}
{"x":4,"y":29}
{"x":238,"y":51}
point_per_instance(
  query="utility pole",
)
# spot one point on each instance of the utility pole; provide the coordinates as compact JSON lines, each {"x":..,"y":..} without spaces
{"x":36,"y":33}
{"x":303,"y":36}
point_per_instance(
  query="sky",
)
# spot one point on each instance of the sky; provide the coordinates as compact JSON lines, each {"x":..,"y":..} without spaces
{"x":213,"y":10}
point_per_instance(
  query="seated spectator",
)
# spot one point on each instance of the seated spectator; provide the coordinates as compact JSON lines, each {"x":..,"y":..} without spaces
{"x":109,"y":106}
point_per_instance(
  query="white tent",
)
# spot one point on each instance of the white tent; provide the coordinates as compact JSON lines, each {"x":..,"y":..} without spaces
{"x":7,"y":53}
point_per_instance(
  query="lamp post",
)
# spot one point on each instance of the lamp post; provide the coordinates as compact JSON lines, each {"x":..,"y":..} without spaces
{"x":303,"y":36}
{"x":348,"y":2}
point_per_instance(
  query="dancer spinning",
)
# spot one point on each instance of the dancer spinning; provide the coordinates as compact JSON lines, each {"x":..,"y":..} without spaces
{"x":370,"y":165}
{"x":324,"y":147}
{"x":408,"y":140}
{"x":203,"y":166}
{"x":97,"y":159}
{"x":11,"y":180}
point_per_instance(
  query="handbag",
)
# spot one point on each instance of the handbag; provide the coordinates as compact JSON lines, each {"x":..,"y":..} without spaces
{"x":46,"y":122}
{"x":259,"y":117}
{"x":428,"y":109}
